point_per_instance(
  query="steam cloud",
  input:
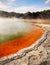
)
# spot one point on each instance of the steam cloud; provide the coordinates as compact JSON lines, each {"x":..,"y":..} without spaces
{"x":12,"y":26}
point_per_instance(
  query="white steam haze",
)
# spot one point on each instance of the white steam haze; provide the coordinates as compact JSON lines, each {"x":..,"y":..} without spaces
{"x":12,"y":26}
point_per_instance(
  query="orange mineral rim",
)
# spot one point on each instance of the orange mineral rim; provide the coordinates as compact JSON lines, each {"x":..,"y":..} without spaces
{"x":13,"y":46}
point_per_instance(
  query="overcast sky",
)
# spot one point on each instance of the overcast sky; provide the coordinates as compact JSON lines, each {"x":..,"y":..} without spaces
{"x":23,"y":6}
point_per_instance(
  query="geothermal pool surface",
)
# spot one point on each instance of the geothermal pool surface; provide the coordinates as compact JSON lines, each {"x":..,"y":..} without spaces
{"x":12,"y":46}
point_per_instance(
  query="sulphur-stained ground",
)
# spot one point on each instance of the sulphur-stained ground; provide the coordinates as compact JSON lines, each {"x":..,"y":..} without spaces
{"x":38,"y":54}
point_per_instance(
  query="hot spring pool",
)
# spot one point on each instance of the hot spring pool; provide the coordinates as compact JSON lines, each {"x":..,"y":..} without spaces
{"x":16,"y":35}
{"x":11,"y":28}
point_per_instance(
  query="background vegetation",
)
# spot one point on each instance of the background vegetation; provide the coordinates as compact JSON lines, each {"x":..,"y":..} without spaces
{"x":42,"y":14}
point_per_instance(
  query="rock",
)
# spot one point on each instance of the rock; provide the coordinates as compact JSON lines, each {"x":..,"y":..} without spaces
{"x":44,"y":63}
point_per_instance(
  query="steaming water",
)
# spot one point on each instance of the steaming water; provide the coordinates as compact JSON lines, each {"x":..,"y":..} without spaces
{"x":12,"y":26}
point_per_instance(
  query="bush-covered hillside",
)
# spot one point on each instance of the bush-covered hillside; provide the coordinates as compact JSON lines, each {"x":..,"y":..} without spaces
{"x":42,"y":14}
